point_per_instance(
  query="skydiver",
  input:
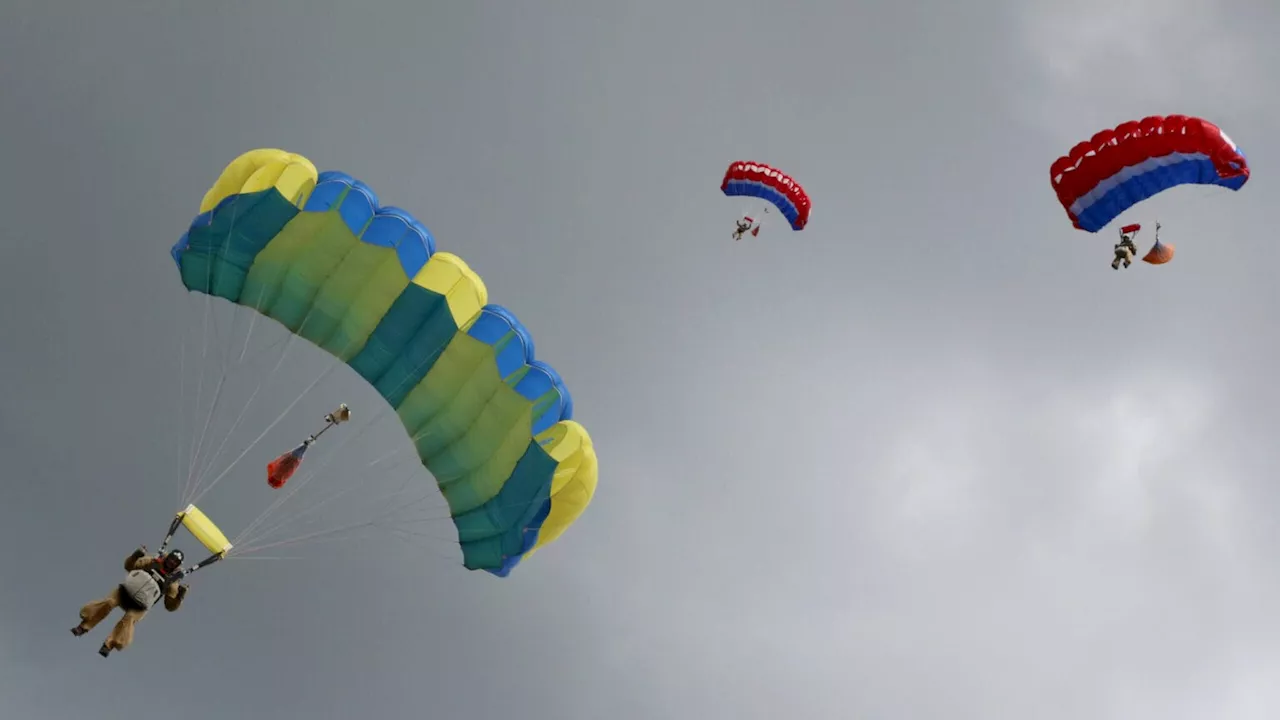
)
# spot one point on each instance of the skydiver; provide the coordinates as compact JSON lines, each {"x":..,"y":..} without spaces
{"x":743,"y":226}
{"x":149,"y":580}
{"x":1125,"y":249}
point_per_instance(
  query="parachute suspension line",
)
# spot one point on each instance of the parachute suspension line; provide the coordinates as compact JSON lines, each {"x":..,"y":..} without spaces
{"x":441,"y":518}
{"x":387,"y":521}
{"x":185,"y":420}
{"x":428,"y":496}
{"x":756,"y":212}
{"x":208,"y":309}
{"x":408,"y":535}
{"x":225,"y":368}
{"x":1203,"y":195}
{"x":301,"y":538}
{"x":182,"y":404}
{"x":384,"y":456}
{"x":310,"y":476}
{"x":189,"y":411}
{"x":204,"y":351}
{"x":251,"y":548}
{"x":257,"y":440}
{"x":417,"y":467}
{"x":413,"y":438}
{"x":384,"y":521}
{"x":306,"y":480}
{"x":1196,"y":196}
{"x":248,"y":545}
{"x":316,"y":470}
{"x":262,"y":535}
{"x":274,"y":344}
{"x":328,"y":458}
{"x":195,"y":458}
{"x":249,"y":541}
{"x":244,"y":408}
{"x":253,"y":322}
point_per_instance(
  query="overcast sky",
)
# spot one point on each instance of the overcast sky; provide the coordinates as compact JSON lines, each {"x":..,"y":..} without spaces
{"x":928,"y":458}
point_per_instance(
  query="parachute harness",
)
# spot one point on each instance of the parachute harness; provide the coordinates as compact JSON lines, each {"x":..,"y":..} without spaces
{"x":180,"y":573}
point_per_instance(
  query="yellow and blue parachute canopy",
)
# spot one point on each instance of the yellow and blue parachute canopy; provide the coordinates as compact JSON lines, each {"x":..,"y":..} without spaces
{"x":318,"y":254}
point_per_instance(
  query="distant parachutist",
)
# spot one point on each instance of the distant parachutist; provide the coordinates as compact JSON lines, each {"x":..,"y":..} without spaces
{"x":745,"y":225}
{"x":777,"y":189}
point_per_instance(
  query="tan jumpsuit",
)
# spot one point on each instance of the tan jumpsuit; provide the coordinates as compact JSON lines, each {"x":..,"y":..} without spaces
{"x":1124,"y":253}
{"x":98,"y":610}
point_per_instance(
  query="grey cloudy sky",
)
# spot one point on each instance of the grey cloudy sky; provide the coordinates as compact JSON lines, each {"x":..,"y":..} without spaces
{"x":930,"y":458}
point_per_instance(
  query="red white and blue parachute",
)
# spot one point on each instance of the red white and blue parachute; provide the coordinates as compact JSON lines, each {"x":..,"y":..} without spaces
{"x":1116,"y":169}
{"x":753,"y":179}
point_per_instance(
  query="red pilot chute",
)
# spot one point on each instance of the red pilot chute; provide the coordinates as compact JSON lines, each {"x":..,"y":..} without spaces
{"x":282,"y":468}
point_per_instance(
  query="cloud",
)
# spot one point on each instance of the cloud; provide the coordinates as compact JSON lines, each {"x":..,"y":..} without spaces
{"x":1004,"y":463}
{"x":1088,"y":540}
{"x":1005,"y":540}
{"x":1110,"y":61}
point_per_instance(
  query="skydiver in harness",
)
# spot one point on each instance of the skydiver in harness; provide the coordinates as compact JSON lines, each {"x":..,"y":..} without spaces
{"x":152,"y":578}
{"x":1126,"y":249}
{"x":745,"y":225}
{"x":149,"y":580}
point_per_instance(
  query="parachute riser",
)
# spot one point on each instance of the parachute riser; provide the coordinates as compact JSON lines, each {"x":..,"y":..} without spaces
{"x":756,"y":210}
{"x":204,"y":531}
{"x":173,"y":528}
{"x":202,"y":564}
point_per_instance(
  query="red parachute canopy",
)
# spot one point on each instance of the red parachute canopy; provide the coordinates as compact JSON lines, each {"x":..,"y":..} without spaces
{"x":1106,"y":175}
{"x":755,"y":179}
